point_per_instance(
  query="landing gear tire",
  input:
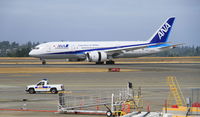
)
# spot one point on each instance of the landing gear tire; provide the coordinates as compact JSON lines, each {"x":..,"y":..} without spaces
{"x":109,"y":114}
{"x":31,"y":91}
{"x":43,"y":62}
{"x":54,"y":91}
{"x":99,"y":63}
{"x":110,"y":62}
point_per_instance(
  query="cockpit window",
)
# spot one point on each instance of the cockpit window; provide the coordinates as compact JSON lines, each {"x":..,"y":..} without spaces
{"x":36,"y":48}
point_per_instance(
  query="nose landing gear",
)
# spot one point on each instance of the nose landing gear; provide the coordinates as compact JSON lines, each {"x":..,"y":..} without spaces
{"x":43,"y":61}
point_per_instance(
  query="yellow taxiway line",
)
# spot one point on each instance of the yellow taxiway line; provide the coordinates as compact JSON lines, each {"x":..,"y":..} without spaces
{"x":57,"y":70}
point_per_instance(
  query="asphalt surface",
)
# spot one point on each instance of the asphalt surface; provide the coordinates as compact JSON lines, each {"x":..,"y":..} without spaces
{"x":151,"y":77}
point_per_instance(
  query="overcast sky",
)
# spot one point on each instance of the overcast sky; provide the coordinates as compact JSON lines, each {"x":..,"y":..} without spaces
{"x":97,"y":20}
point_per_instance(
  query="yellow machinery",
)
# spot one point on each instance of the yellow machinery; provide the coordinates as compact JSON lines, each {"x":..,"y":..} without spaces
{"x":175,"y":92}
{"x":119,"y":113}
{"x":180,"y":109}
{"x":137,"y":102}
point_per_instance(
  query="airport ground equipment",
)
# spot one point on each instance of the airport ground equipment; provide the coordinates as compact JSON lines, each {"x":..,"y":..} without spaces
{"x":191,"y":110}
{"x":114,"y":69}
{"x":188,"y":108}
{"x":110,"y":102}
{"x":175,"y":92}
{"x":44,"y":86}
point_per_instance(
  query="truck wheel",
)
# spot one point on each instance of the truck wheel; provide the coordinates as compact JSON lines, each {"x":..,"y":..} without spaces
{"x":31,"y":91}
{"x":54,"y":91}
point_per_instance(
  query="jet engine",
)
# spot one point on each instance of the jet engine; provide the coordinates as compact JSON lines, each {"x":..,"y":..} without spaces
{"x":96,"y":56}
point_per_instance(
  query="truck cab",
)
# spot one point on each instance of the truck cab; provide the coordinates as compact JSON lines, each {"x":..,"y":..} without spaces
{"x":44,"y":86}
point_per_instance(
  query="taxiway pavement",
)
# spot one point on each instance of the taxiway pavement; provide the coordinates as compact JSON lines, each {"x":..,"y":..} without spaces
{"x":150,"y":76}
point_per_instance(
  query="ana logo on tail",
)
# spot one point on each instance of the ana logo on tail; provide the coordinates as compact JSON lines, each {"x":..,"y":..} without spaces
{"x":163,"y":30}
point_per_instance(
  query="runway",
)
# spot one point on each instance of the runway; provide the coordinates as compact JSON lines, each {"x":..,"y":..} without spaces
{"x":150,"y":76}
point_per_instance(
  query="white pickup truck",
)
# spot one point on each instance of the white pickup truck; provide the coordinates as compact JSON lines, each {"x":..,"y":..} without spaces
{"x":44,"y":86}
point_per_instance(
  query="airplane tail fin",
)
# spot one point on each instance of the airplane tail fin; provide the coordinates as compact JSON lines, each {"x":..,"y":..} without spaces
{"x":163,"y":32}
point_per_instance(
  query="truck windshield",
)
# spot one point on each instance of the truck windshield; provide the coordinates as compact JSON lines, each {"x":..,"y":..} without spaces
{"x":41,"y":83}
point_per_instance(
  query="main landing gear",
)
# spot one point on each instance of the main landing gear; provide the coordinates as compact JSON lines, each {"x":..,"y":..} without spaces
{"x":110,"y":62}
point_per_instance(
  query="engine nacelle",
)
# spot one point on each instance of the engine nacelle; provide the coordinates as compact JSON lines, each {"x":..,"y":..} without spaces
{"x":96,"y":56}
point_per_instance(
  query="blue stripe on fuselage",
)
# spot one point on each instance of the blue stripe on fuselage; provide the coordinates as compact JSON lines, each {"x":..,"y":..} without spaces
{"x":89,"y":50}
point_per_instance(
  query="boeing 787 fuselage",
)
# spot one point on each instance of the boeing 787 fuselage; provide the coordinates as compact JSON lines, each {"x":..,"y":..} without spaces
{"x":105,"y":51}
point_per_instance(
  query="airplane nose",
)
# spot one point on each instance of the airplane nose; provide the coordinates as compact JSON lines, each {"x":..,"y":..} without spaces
{"x":32,"y":53}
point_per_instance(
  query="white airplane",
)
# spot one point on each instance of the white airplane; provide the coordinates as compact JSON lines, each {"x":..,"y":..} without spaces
{"x":105,"y":51}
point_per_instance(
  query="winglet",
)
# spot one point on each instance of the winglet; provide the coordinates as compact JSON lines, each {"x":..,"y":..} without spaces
{"x":163,"y":32}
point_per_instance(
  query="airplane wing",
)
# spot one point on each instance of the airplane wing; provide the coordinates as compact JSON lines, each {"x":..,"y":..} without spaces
{"x":170,"y":46}
{"x":159,"y":38}
{"x":174,"y":46}
{"x":124,"y":49}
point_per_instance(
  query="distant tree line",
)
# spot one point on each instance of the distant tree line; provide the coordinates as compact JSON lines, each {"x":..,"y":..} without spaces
{"x":13,"y":49}
{"x":180,"y":51}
